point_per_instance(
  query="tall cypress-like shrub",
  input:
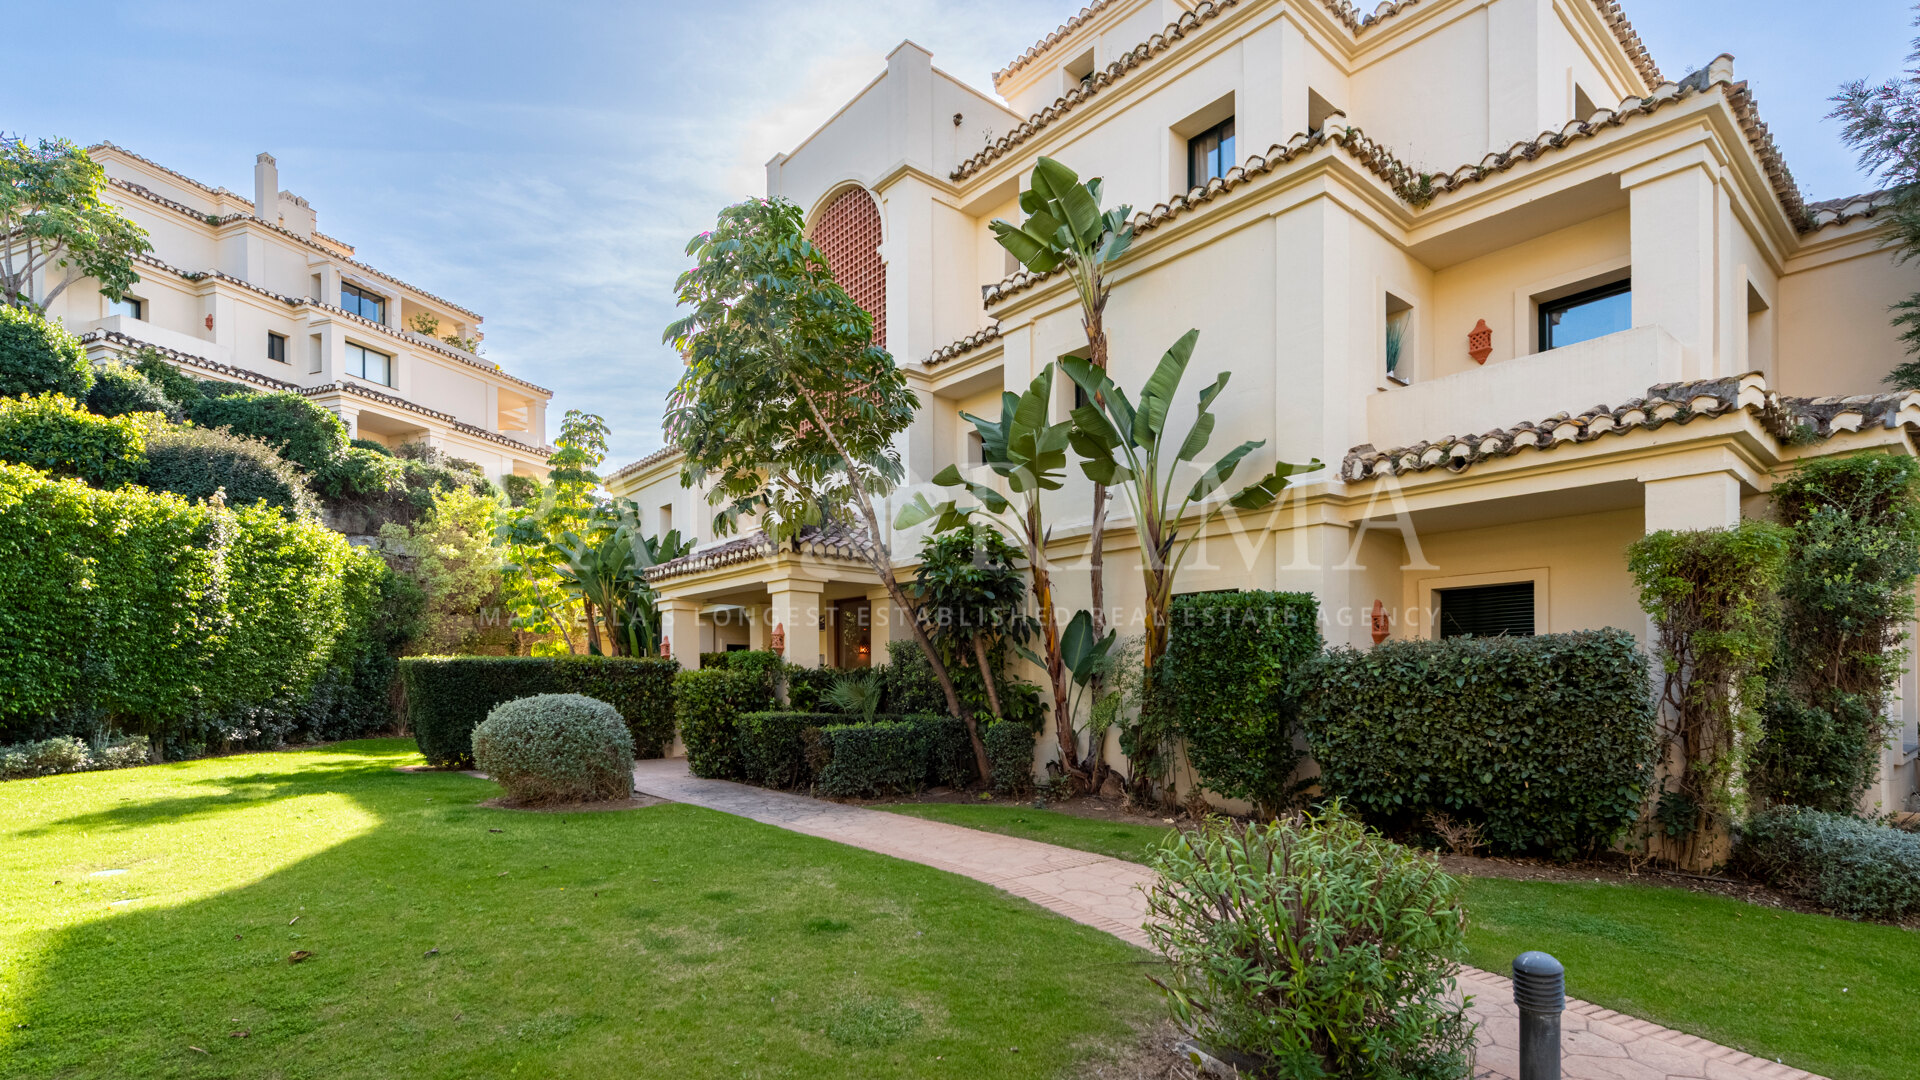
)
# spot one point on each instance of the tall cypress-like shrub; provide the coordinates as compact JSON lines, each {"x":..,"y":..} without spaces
{"x":1846,"y":594}
{"x":1226,"y":681}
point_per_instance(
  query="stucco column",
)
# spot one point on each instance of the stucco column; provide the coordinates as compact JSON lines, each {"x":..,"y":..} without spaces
{"x":888,"y":622}
{"x":758,"y":628}
{"x":680,"y":627}
{"x":797,"y":607}
{"x":1703,"y":501}
{"x":333,"y":353}
{"x":1674,"y":202}
{"x":351,"y":418}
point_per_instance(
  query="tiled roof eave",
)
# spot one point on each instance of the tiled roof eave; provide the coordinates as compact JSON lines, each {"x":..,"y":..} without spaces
{"x":831,"y":544}
{"x":644,"y":463}
{"x":1609,"y":12}
{"x":213,"y":367}
{"x":255,"y":219}
{"x":1785,"y":419}
{"x":979,"y":339}
{"x":1418,"y":189}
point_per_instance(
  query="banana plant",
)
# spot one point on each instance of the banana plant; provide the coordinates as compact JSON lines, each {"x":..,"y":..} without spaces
{"x":1030,"y":455}
{"x":1131,"y":446}
{"x":1065,"y":228}
{"x":607,"y":571}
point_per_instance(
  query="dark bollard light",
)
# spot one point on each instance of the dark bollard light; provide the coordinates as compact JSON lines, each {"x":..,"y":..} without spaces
{"x":1540,"y":990}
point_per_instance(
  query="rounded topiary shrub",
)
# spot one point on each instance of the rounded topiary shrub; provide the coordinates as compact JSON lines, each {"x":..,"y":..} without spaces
{"x":556,"y":748}
{"x":302,"y":431}
{"x":40,"y":357}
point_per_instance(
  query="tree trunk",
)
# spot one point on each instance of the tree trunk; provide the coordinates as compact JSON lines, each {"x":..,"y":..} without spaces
{"x":986,"y":675}
{"x":593,"y":631}
{"x":1094,"y":324}
{"x":1056,"y":667}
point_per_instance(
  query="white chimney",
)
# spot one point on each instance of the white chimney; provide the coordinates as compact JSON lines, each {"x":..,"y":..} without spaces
{"x":266,"y":188}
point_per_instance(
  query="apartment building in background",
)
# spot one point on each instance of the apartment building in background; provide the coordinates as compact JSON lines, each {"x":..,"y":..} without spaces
{"x":1528,"y":296}
{"x":251,"y":291}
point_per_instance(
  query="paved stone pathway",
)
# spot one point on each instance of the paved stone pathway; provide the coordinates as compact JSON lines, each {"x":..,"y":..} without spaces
{"x":1597,"y":1043}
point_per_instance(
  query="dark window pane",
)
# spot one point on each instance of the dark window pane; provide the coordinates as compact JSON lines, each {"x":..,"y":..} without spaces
{"x":1210,"y":153}
{"x":1587,"y":315}
{"x":276,"y":348}
{"x":1487,"y":610}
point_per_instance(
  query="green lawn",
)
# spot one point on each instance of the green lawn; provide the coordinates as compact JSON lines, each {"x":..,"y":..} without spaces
{"x":667,"y":941}
{"x":1830,"y":996}
{"x":1120,"y":840}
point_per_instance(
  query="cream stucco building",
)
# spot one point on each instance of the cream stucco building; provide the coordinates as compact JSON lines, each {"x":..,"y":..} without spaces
{"x":1528,"y":297}
{"x":250,"y":291}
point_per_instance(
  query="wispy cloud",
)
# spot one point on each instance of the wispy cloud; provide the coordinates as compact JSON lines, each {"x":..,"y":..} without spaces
{"x":546,"y":164}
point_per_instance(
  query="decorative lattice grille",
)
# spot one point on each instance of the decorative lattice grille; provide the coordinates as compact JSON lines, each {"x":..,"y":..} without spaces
{"x":848,"y":234}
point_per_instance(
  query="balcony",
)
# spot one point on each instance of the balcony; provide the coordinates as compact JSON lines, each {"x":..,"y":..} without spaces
{"x":1604,"y":371}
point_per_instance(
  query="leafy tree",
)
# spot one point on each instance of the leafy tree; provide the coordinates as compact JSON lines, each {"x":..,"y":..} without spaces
{"x":1065,"y":228}
{"x":1883,"y":126}
{"x":58,"y":225}
{"x":451,"y":554}
{"x":1125,"y":445}
{"x":1031,"y":456}
{"x":606,"y":569}
{"x":787,"y":407}
{"x":531,"y":534}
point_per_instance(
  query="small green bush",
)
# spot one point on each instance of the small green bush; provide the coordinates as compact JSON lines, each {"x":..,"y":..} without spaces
{"x":360,"y":473}
{"x":1225,"y":683}
{"x":448,"y":696}
{"x":370,"y":446}
{"x":300,"y":430}
{"x":53,"y":433}
{"x":1547,"y":743}
{"x":119,"y":390}
{"x":1860,"y":869}
{"x":195,"y":462}
{"x":886,"y":756}
{"x":520,"y":490}
{"x":48,"y":757}
{"x":1314,"y":946}
{"x":1010,"y":753}
{"x":773,"y":747}
{"x":40,"y":357}
{"x":66,"y":754}
{"x":556,"y":748}
{"x":949,"y":751}
{"x":807,"y":688}
{"x":707,"y":705}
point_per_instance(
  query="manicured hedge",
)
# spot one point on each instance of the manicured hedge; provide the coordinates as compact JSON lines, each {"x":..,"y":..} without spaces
{"x":54,"y":433}
{"x":886,"y":756}
{"x":1225,"y":682}
{"x":1010,"y":753}
{"x":448,"y":696}
{"x":1547,"y":742}
{"x":707,"y":705}
{"x":167,"y":617}
{"x":773,"y":746}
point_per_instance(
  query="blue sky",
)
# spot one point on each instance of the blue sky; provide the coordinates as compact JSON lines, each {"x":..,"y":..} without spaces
{"x":544,"y":164}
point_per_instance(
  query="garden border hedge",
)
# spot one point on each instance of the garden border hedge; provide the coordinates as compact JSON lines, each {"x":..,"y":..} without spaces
{"x":1547,"y":743}
{"x":448,"y":696}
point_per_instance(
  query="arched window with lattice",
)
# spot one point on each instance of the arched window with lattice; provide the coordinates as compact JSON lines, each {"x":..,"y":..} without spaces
{"x":847,"y":232}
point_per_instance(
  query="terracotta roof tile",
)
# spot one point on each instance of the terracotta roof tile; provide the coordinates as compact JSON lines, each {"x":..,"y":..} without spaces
{"x":964,"y":346}
{"x":1608,"y":10}
{"x":649,"y":461}
{"x":1786,"y":418}
{"x":212,"y":367}
{"x":1418,"y":189}
{"x":827,"y":542}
